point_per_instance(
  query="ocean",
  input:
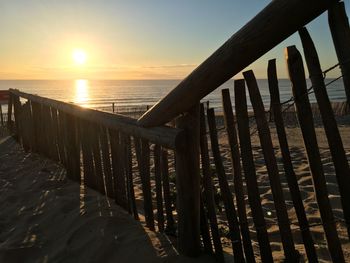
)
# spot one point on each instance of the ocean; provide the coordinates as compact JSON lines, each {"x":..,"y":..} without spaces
{"x":100,"y":94}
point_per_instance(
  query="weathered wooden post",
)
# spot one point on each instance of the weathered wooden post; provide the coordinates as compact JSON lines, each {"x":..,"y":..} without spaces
{"x":336,"y":147}
{"x":250,"y":171}
{"x":17,"y":110}
{"x":159,"y":187}
{"x":88,"y":163}
{"x":304,"y":112}
{"x":36,"y":110}
{"x":166,"y":191}
{"x":72,"y":147}
{"x":258,"y":36}
{"x":287,"y":162}
{"x":1,"y":116}
{"x":143,"y":159}
{"x":107,"y":168}
{"x":129,"y":177}
{"x":226,"y":194}
{"x":237,"y":173}
{"x":9,"y":113}
{"x":208,"y":189}
{"x":339,"y":26}
{"x":188,"y":184}
{"x":272,"y":168}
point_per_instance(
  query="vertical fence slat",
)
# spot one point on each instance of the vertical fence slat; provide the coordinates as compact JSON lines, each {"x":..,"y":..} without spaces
{"x":36,"y":109}
{"x":166,"y":191}
{"x":88,"y":164}
{"x":237,"y":174}
{"x":205,"y":229}
{"x":188,"y":184}
{"x":339,"y":26}
{"x":64,"y":134}
{"x":72,"y":147}
{"x":123,"y":178}
{"x":129,"y":177}
{"x":96,"y":151}
{"x":272,"y":168}
{"x":26,"y":123}
{"x":208,"y":188}
{"x":250,"y":172}
{"x":107,"y":168}
{"x":54,"y":127}
{"x":9,"y":112}
{"x":33,"y":139}
{"x":60,"y":136}
{"x":287,"y":163}
{"x":336,"y":147}
{"x":143,"y":156}
{"x":304,"y":113}
{"x":118,"y":168}
{"x":17,"y":110}
{"x":158,"y":181}
{"x":1,"y":116}
{"x":45,"y":126}
{"x":225,"y":190}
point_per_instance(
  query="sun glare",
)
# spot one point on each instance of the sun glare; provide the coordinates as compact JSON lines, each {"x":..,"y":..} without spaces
{"x":81,"y":92}
{"x":79,"y":56}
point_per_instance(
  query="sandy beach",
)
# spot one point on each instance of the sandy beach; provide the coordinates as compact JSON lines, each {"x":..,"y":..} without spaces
{"x":47,"y":218}
{"x":301,"y":168}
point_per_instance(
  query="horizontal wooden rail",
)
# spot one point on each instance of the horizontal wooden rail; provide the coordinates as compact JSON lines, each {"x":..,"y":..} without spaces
{"x":165,"y":136}
{"x":279,"y":20}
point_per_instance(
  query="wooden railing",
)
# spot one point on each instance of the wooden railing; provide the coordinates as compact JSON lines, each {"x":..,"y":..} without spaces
{"x":279,"y":20}
{"x":247,"y":187}
{"x":98,"y":149}
{"x":105,"y":145}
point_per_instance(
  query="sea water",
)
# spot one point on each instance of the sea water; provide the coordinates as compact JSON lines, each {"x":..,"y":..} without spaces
{"x":101,"y":94}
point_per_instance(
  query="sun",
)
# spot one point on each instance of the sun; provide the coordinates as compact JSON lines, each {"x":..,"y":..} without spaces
{"x":79,"y":56}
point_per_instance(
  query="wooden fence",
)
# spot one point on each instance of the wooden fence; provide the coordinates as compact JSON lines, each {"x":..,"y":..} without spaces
{"x":241,"y":150}
{"x":99,"y":148}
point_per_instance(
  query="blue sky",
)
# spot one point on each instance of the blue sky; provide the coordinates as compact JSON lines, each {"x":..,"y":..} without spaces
{"x":130,"y":39}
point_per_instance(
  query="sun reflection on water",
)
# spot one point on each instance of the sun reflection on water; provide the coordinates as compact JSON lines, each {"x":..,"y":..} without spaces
{"x":81,"y":92}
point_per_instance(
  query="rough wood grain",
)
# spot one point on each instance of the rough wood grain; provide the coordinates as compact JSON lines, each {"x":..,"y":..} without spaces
{"x":129,"y":177}
{"x":159,"y":186}
{"x":237,"y":172}
{"x":188,"y":185}
{"x":304,"y":113}
{"x":226,"y":194}
{"x":336,"y":146}
{"x":276,"y":22}
{"x":287,"y":163}
{"x":208,"y":191}
{"x":272,"y":169}
{"x":170,"y":227}
{"x":250,"y":172}
{"x":106,"y":160}
{"x":143,"y":157}
{"x":165,"y":136}
{"x":339,"y":26}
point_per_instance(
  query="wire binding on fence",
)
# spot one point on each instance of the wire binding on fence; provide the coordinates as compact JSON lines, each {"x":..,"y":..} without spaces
{"x":292,"y":99}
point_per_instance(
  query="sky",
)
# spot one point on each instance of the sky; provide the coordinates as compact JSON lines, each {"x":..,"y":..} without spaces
{"x":131,"y":39}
